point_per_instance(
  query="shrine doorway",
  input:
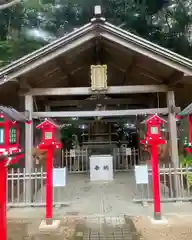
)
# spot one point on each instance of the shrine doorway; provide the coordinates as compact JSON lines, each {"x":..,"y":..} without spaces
{"x":83,"y":137}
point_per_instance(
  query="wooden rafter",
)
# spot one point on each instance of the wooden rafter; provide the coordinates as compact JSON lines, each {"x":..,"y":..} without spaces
{"x":130,"y":70}
{"x":85,"y":102}
{"x":175,"y":78}
{"x":66,"y":71}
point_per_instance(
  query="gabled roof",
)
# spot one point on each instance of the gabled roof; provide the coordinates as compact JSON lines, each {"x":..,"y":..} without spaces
{"x":96,"y":28}
{"x":186,"y":111}
{"x":48,"y":121}
{"x":151,"y":117}
{"x":13,"y":114}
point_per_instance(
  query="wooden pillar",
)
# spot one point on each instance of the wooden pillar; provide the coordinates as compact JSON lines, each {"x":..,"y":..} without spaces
{"x":29,"y":146}
{"x":21,"y":101}
{"x":173,"y":140}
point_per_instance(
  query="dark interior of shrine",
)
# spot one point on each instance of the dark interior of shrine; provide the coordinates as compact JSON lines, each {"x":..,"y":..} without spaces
{"x":100,"y":132}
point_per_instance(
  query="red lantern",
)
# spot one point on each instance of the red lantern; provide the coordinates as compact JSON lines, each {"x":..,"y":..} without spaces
{"x":10,"y":153}
{"x":153,"y":134}
{"x":153,"y":138}
{"x":10,"y":139}
{"x":49,"y":143}
{"x":49,"y":131}
{"x":189,"y":145}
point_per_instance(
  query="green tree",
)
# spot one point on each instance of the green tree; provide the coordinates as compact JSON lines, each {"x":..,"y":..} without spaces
{"x":30,"y":25}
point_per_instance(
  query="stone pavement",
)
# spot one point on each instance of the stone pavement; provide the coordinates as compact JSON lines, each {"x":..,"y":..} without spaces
{"x":104,"y":227}
{"x":75,"y":228}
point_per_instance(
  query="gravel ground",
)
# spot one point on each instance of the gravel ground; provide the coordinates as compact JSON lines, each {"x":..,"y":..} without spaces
{"x":112,"y":228}
{"x":177,"y":228}
{"x":75,"y":228}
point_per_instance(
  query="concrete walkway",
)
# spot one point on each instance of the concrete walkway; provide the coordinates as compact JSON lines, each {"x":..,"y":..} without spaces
{"x":87,"y":197}
{"x":131,"y":210}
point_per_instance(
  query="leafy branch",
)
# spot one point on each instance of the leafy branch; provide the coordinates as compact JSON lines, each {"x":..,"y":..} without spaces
{"x":9,"y":4}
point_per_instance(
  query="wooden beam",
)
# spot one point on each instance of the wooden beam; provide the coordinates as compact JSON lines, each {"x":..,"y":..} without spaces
{"x":100,"y":113}
{"x":87,"y":90}
{"x":128,"y":101}
{"x":90,"y":120}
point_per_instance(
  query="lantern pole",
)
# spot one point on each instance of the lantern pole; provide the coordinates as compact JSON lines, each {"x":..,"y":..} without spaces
{"x":154,"y":139}
{"x":3,"y":199}
{"x":49,"y":187}
{"x":49,"y":143}
{"x":156,"y":182}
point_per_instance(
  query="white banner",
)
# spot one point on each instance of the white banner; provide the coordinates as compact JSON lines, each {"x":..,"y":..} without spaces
{"x":59,"y":177}
{"x":141,"y":174}
{"x":72,"y":152}
{"x":128,"y":151}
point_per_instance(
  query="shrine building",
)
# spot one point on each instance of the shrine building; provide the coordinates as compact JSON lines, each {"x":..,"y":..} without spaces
{"x":99,"y":83}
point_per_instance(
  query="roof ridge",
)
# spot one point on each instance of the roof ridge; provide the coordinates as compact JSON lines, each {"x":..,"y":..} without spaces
{"x":174,"y":60}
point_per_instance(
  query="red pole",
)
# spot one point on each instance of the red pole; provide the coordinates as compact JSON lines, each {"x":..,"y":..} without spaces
{"x":3,"y":200}
{"x":156,"y":182}
{"x":49,"y":187}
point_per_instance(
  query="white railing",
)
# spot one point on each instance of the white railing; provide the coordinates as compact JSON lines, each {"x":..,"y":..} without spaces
{"x":17,"y":182}
{"x":77,"y":160}
{"x":172,"y":181}
{"x":175,"y":185}
{"x":125,"y":161}
{"x":17,"y":179}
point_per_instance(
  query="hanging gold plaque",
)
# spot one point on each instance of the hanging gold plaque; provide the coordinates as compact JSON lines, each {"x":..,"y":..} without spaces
{"x":98,"y":77}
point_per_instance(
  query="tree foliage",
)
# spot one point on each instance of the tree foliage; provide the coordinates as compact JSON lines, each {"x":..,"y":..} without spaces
{"x":29,"y":25}
{"x":4,"y":4}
